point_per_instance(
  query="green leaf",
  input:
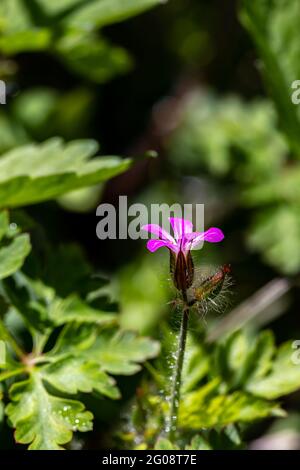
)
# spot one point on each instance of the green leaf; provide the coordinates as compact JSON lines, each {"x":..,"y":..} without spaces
{"x":32,"y":299}
{"x":42,"y":308}
{"x":18,"y":31}
{"x":39,"y":172}
{"x":12,"y":256}
{"x":165,"y":444}
{"x":271,"y":192}
{"x":32,"y":40}
{"x":13,"y":249}
{"x":198,"y":443}
{"x":72,"y":309}
{"x":99,"y":13}
{"x":274,"y":26}
{"x":44,"y":112}
{"x":282,"y":379}
{"x":254,"y":365}
{"x":75,"y":338}
{"x":73,"y":375}
{"x":120,"y":352}
{"x":42,"y":420}
{"x":196,"y":364}
{"x":92,"y":57}
{"x":230,"y":358}
{"x":207,"y":408}
{"x":260,"y":357}
{"x":14,"y":16}
{"x":275,"y":233}
{"x":242,"y":357}
{"x":58,"y":6}
{"x":229,"y":137}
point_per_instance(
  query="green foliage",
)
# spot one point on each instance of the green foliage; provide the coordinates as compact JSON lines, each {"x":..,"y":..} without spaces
{"x":273,"y":25}
{"x":283,"y":376}
{"x":76,"y":343}
{"x":164,"y":444}
{"x":120,"y":353}
{"x":274,"y":28}
{"x":229,"y":136}
{"x":240,"y":141}
{"x":257,"y":366}
{"x":200,"y":409}
{"x":66,"y":334}
{"x":68,"y":29}
{"x":233,"y":382}
{"x":276,"y":232}
{"x":55,"y":169}
{"x":91,"y":56}
{"x":101,"y":13}
{"x":42,"y":420}
{"x":14,"y":247}
{"x":43,"y":308}
{"x":43,"y":112}
{"x":198,"y":443}
{"x":74,"y":374}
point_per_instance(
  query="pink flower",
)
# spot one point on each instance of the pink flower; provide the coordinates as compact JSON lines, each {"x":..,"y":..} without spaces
{"x":180,"y":246}
{"x":184,"y":238}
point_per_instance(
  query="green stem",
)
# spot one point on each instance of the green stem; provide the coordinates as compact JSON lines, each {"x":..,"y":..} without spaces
{"x":39,"y":341}
{"x":175,"y":396}
{"x":11,"y":373}
{"x":6,"y":336}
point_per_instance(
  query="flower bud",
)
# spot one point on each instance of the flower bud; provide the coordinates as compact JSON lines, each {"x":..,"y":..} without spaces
{"x":212,"y":286}
{"x":182,"y":270}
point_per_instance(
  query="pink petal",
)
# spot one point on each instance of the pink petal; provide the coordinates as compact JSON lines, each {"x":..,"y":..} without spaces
{"x":158,"y":231}
{"x":212,"y":235}
{"x":180,"y":227}
{"x":154,"y":245}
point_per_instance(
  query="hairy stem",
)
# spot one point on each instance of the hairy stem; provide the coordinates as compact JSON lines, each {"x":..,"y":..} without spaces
{"x":175,"y":396}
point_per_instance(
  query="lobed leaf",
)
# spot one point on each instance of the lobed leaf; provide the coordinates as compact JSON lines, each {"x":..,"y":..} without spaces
{"x":38,"y":172}
{"x":42,"y":420}
{"x":282,"y":378}
{"x":42,"y":308}
{"x":121,"y":352}
{"x":75,"y":374}
{"x":205,"y":408}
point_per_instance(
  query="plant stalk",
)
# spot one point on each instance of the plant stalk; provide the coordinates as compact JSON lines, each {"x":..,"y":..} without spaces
{"x":6,"y":336}
{"x":175,"y":396}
